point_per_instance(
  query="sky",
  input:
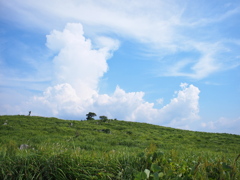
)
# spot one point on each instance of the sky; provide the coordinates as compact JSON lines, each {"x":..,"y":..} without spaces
{"x":170,"y":63}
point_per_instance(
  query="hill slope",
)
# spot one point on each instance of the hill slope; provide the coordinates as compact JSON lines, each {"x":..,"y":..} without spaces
{"x":110,"y":134}
{"x":112,"y":149}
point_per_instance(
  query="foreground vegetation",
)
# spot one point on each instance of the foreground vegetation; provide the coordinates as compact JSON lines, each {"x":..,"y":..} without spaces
{"x":112,"y":149}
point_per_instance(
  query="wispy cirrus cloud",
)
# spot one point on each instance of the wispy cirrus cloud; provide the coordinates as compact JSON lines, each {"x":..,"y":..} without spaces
{"x":167,"y":27}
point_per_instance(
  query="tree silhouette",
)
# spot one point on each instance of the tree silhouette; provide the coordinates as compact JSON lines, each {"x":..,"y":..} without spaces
{"x":103,"y":117}
{"x":90,"y":115}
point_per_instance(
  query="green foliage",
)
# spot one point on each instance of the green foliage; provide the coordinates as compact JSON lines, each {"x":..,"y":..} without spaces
{"x":90,"y":115}
{"x":103,"y":118}
{"x":164,"y":166}
{"x":112,"y":150}
{"x":10,"y":148}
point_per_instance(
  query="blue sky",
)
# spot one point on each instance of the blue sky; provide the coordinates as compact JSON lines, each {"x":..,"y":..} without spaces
{"x":169,"y":63}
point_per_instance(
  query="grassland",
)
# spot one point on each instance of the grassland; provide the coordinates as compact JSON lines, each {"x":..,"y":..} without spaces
{"x":112,"y":149}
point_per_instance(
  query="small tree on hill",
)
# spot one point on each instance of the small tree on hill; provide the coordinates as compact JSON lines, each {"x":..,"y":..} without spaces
{"x":103,"y":118}
{"x":90,"y":115}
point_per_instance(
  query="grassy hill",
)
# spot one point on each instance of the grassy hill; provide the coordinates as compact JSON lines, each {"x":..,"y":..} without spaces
{"x":112,"y":149}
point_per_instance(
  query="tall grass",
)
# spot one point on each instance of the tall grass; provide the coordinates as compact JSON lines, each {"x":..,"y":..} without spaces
{"x":59,"y":162}
{"x":112,"y":150}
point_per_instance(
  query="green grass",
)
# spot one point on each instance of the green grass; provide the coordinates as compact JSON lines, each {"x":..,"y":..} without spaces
{"x":112,"y":150}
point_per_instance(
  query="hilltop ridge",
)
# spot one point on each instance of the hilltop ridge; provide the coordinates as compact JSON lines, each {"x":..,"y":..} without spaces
{"x":110,"y":134}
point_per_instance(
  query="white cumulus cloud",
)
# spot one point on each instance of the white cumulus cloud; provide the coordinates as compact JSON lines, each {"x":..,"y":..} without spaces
{"x":223,"y":125}
{"x":78,"y":69}
{"x":62,"y":101}
{"x":77,"y":63}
